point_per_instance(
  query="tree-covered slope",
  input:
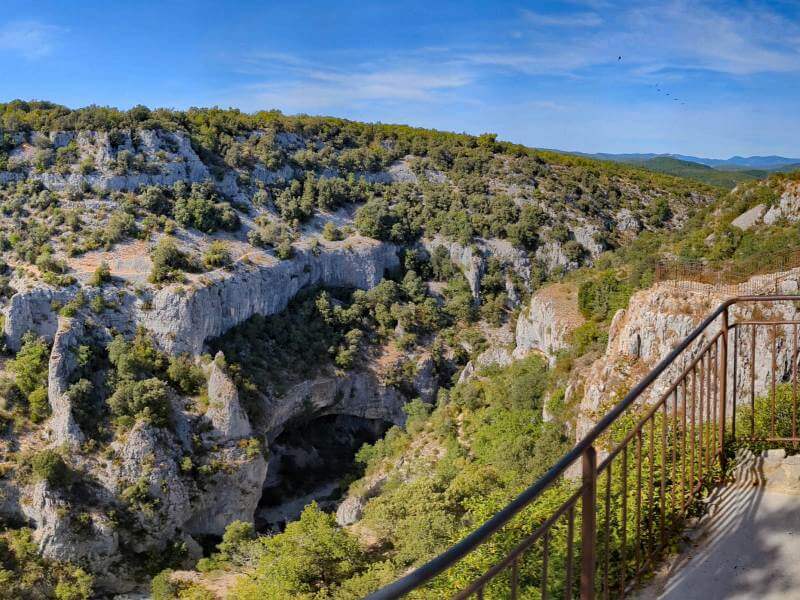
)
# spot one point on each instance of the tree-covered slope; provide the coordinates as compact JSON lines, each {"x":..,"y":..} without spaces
{"x":136,"y":245}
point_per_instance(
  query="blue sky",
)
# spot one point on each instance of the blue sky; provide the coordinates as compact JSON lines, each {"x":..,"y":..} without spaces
{"x":546,"y":74}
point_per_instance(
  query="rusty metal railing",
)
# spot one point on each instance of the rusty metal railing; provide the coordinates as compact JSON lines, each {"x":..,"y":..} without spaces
{"x":645,"y":466}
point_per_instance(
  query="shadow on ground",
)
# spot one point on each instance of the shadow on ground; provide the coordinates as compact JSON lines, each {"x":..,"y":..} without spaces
{"x":747,"y":547}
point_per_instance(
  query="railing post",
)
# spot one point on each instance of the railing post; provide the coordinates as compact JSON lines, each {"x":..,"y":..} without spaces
{"x":588,"y":523}
{"x":723,"y":389}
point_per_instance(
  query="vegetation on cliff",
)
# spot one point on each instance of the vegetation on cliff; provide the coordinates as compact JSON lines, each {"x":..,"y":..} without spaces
{"x":479,"y":224}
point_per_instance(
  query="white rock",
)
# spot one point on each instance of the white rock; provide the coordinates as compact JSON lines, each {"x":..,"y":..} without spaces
{"x":749,"y":218}
{"x":224,"y":410}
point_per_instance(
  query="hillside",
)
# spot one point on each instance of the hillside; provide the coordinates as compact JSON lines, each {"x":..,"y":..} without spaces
{"x":510,"y":415}
{"x":208,"y":314}
{"x":762,"y":163}
{"x":727,"y":179}
{"x":722,"y":173}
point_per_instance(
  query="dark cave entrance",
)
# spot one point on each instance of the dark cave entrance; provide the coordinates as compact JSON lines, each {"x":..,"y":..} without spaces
{"x":313,"y":460}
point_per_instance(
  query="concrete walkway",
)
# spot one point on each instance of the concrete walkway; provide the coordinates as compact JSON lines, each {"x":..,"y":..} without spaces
{"x":747,"y":547}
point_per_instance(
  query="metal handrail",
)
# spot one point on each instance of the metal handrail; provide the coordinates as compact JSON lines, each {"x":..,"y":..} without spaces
{"x":584,"y":448}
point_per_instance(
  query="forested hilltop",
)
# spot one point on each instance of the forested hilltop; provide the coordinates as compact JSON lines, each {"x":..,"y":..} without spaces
{"x":270,"y":356}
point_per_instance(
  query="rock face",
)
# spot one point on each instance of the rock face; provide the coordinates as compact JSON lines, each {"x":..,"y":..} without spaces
{"x":183,"y":319}
{"x":357,"y":393}
{"x":352,"y":507}
{"x":545,"y":325}
{"x":656,"y":320}
{"x":95,"y":542}
{"x":749,"y":218}
{"x":182,"y":323}
{"x":33,"y":311}
{"x":62,"y":363}
{"x":426,"y":382}
{"x":788,"y":207}
{"x":224,"y":410}
{"x":472,"y":259}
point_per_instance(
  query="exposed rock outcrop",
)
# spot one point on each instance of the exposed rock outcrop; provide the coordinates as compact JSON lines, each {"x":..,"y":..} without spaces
{"x":182,"y":319}
{"x":472,"y":260}
{"x":183,"y":322}
{"x":656,"y":320}
{"x":224,"y":410}
{"x":33,"y":310}
{"x":545,"y":325}
{"x":357,"y":393}
{"x":749,"y":218}
{"x":64,"y":428}
{"x":788,"y":207}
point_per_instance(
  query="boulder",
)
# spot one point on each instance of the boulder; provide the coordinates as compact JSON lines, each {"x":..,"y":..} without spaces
{"x":749,"y":218}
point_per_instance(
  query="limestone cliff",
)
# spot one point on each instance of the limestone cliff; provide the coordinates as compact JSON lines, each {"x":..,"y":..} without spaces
{"x":546,"y":323}
{"x":183,"y":317}
{"x":656,"y":320}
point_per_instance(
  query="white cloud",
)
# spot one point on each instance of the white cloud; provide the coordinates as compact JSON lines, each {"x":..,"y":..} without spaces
{"x":651,"y":37}
{"x":587,"y":19}
{"x":301,"y":84}
{"x":29,"y":39}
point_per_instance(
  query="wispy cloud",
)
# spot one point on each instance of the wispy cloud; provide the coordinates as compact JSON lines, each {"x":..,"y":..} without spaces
{"x":304,"y":84}
{"x":29,"y":39}
{"x":652,"y":37}
{"x":667,"y":38}
{"x":585,"y":19}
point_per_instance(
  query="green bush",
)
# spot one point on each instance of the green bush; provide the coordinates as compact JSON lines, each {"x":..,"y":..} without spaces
{"x":185,"y":375}
{"x":147,"y":399}
{"x":101,"y":275}
{"x":217,"y":255}
{"x":312,"y":556}
{"x":202,"y":210}
{"x":26,"y":575}
{"x":48,"y":466}
{"x":600,"y":297}
{"x":38,"y":405}
{"x":29,"y":368}
{"x":331,"y":233}
{"x":168,"y":262}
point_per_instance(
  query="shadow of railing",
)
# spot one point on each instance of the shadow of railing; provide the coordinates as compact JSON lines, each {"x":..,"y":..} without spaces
{"x":744,"y":546}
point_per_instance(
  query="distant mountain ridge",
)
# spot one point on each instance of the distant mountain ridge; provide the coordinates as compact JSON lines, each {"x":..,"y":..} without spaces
{"x":766,"y":163}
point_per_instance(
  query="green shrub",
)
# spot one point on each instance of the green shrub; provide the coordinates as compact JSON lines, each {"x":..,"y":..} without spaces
{"x":38,"y":405}
{"x":147,"y":399}
{"x":161,"y":586}
{"x":185,"y":375}
{"x":331,"y":233}
{"x":599,"y":298}
{"x":77,"y":587}
{"x":101,"y":275}
{"x":168,"y":262}
{"x":217,"y":255}
{"x":29,"y":368}
{"x":48,"y":466}
{"x":201,"y":210}
{"x":284,"y":250}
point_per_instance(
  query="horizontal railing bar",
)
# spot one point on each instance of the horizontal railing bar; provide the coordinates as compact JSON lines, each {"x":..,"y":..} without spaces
{"x":456,"y":552}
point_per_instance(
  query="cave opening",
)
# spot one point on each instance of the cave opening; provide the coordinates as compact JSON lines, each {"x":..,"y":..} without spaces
{"x":313,"y":460}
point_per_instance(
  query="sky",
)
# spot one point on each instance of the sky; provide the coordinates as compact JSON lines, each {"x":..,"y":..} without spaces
{"x":586,"y":75}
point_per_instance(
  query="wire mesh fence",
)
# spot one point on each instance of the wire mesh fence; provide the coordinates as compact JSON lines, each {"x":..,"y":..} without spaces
{"x":744,"y":277}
